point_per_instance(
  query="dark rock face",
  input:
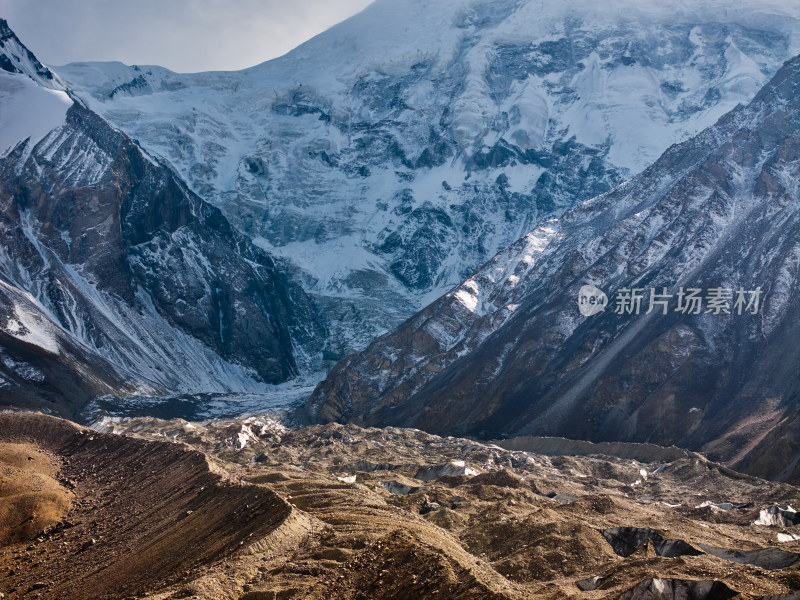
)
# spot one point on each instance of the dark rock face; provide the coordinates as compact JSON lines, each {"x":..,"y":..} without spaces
{"x":144,"y":242}
{"x":509,"y":353}
{"x":590,"y":584}
{"x":675,"y":589}
{"x":128,"y":274}
{"x":627,"y":540}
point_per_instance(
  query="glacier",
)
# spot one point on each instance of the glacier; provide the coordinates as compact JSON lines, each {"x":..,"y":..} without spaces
{"x":386,"y":159}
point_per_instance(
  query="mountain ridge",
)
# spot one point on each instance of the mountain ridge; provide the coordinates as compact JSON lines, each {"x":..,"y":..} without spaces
{"x":386,"y":159}
{"x":119,"y":279}
{"x":509,"y":352}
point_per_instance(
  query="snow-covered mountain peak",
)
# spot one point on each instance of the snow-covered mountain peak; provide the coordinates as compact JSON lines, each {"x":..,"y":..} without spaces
{"x":389,"y":33}
{"x":16,"y":58}
{"x":387,"y":158}
{"x":32,"y":99}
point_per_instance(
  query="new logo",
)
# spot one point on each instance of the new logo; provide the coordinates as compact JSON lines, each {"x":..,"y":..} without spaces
{"x":591,"y":300}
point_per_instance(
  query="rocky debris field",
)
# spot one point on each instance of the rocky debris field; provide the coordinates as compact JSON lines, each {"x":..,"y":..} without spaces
{"x":248,"y":509}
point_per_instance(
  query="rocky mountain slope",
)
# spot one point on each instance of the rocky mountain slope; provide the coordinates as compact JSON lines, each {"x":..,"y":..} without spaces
{"x":389,"y":157}
{"x":510,"y":351}
{"x":249,"y":510}
{"x":114,"y":277}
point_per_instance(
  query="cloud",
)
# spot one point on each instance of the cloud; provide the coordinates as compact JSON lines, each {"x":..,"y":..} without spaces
{"x":182,"y":35}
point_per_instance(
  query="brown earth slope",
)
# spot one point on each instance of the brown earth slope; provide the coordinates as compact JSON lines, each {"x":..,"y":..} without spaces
{"x":31,"y":497}
{"x":143,"y":513}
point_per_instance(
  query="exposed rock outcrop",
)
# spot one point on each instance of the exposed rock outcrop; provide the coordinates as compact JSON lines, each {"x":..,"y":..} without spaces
{"x":509,"y":353}
{"x":118,"y":279}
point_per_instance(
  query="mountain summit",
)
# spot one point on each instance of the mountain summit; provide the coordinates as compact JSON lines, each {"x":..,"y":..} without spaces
{"x":16,"y":58}
{"x":388,"y":158}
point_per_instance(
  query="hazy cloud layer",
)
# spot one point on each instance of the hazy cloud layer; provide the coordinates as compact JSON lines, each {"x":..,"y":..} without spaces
{"x":182,"y":35}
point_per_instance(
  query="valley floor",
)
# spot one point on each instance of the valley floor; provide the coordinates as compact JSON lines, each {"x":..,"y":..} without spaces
{"x":246,"y":509}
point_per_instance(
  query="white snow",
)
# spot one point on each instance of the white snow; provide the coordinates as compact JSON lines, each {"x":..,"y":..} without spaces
{"x":29,"y":325}
{"x":244,"y":436}
{"x":22,"y":369}
{"x":454,"y":468}
{"x":773,"y":517}
{"x":275,"y":399}
{"x":209,"y":125}
{"x":468,"y":295}
{"x":717,"y":506}
{"x":28,"y":111}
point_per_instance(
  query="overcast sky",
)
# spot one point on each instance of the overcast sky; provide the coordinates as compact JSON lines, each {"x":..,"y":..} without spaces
{"x":182,"y":35}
